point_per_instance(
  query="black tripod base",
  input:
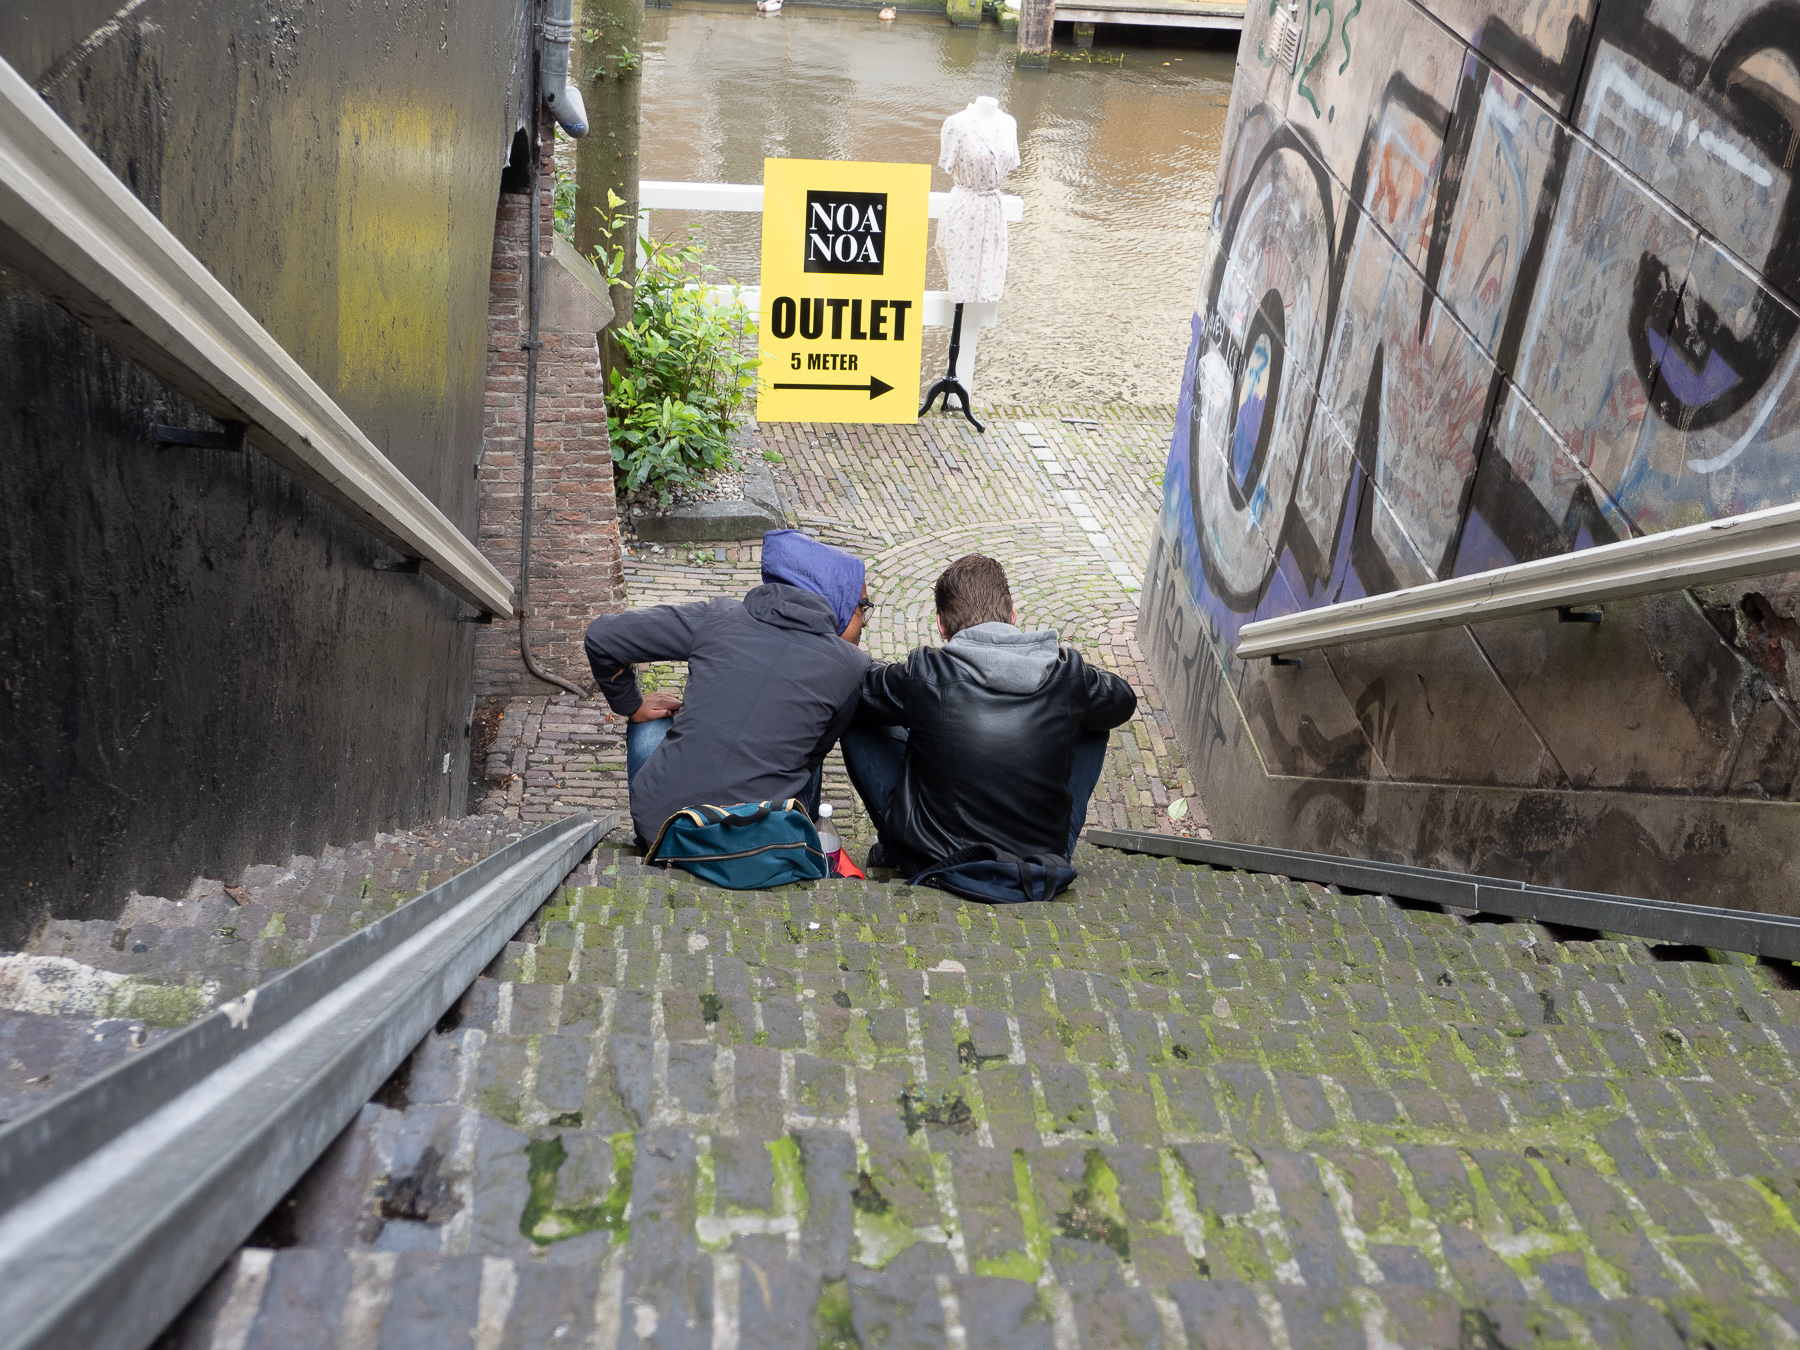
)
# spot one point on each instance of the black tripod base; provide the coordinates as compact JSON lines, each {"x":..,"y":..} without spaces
{"x":951,"y":387}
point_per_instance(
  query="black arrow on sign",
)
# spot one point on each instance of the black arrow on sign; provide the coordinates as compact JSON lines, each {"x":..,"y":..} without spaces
{"x":875,"y":387}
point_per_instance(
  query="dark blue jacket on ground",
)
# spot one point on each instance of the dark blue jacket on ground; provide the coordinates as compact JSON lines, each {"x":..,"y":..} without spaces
{"x":770,"y":687}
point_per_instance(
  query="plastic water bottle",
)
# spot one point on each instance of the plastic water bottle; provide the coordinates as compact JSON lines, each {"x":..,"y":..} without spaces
{"x":829,"y":843}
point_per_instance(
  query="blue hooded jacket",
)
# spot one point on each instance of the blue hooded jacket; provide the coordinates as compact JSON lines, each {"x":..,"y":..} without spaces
{"x":800,"y":560}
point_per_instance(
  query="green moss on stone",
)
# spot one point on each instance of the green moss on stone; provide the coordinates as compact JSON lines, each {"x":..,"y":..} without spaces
{"x":833,"y":1328}
{"x":1026,"y":1265}
{"x":157,"y":1004}
{"x":881,"y":1232}
{"x":1095,"y":1213}
{"x":544,"y":1222}
{"x":790,"y":1178}
{"x":1234,"y":1248}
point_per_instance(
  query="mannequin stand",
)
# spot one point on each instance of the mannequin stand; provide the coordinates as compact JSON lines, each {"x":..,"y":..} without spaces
{"x":950,"y":385}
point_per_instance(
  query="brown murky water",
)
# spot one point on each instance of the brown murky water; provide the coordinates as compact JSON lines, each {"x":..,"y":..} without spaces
{"x":1117,"y":170}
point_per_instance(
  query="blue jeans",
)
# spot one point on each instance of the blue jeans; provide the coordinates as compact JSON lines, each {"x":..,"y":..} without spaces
{"x":874,"y":754}
{"x":642,"y":739}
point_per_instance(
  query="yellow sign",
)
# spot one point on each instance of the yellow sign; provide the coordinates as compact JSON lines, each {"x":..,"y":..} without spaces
{"x":843,"y":290}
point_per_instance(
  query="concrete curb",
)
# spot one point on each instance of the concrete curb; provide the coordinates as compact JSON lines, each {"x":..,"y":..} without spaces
{"x":759,"y":510}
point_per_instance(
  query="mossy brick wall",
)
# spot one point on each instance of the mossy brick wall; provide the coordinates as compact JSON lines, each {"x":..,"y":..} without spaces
{"x":575,"y":549}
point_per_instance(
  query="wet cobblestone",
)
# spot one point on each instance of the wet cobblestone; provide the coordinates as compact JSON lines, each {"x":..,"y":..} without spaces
{"x":1064,"y":497}
{"x":1179,"y":1107}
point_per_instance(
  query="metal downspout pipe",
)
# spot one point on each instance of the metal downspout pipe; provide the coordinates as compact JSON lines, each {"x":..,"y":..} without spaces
{"x":561,"y":97}
{"x":542,"y":69}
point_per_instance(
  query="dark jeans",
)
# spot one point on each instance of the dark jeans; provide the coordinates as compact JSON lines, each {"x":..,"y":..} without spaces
{"x":874,"y":754}
{"x":642,"y":739}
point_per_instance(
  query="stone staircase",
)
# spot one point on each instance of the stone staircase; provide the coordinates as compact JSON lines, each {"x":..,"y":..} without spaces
{"x":1177,"y":1107}
{"x":84,"y":994}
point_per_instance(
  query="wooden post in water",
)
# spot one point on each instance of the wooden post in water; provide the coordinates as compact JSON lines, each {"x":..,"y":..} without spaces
{"x":609,"y":49}
{"x":1037,"y":20}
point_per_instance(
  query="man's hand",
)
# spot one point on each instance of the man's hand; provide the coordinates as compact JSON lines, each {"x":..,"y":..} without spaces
{"x":657,"y":703}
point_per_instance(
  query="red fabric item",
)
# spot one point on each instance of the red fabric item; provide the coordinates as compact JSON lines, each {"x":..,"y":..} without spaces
{"x":846,"y":867}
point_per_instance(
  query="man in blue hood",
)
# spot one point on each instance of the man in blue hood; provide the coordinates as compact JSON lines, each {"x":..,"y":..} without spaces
{"x":772,"y":682}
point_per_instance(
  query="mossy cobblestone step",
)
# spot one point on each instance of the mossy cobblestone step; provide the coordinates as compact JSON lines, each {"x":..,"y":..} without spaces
{"x":85,"y":994}
{"x":1176,"y":1108}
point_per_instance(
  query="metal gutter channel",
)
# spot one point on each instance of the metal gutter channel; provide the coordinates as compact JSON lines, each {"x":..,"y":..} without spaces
{"x":122,"y":1198}
{"x":1731,"y":930}
{"x":77,"y":232}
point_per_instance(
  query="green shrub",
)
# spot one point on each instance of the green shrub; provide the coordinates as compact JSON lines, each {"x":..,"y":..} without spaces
{"x":680,"y":375}
{"x":563,"y":201}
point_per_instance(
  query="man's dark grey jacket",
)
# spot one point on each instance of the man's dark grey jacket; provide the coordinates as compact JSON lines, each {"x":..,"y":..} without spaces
{"x":770,"y":688}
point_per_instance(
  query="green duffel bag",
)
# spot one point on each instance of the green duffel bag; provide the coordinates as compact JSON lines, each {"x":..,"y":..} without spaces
{"x":742,"y":848}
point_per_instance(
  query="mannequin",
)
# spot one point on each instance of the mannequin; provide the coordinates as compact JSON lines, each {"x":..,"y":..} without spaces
{"x":980,"y":146}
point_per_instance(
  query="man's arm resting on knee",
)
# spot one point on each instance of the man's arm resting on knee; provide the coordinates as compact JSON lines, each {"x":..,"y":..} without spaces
{"x":884,"y":690}
{"x":616,"y":641}
{"x":1110,"y":699}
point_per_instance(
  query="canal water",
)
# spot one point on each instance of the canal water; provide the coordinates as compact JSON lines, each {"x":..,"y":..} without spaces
{"x":1118,"y":154}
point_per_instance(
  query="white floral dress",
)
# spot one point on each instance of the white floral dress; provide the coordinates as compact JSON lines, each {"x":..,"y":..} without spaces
{"x":971,"y":237}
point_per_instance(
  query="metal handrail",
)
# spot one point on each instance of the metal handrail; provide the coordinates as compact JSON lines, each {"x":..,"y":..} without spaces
{"x":1754,"y":544}
{"x":122,"y":1198}
{"x":86,"y":241}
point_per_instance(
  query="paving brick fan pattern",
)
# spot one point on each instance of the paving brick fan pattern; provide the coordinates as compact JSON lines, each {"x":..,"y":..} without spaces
{"x":1065,"y":498}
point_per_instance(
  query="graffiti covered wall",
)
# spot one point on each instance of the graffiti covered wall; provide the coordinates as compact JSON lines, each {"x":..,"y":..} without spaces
{"x":1489,"y":282}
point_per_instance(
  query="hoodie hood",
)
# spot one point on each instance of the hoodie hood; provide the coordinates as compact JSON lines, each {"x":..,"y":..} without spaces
{"x":782,"y":606}
{"x":1003,"y":659}
{"x":800,"y":560}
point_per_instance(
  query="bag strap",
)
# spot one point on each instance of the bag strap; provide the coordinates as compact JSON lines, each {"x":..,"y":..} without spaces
{"x":718,"y":815}
{"x":1025,"y":887}
{"x":1052,"y":863}
{"x":732,"y":821}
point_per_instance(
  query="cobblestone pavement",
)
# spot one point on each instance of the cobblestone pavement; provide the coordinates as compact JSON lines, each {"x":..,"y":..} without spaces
{"x":1178,"y":1108}
{"x":1066,"y":498}
{"x":86,"y":994}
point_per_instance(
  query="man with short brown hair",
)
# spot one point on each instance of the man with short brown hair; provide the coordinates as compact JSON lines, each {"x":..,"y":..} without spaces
{"x":997,"y":737}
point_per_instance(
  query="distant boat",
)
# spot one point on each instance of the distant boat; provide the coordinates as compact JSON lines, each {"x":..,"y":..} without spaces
{"x":768,"y":6}
{"x":886,"y":15}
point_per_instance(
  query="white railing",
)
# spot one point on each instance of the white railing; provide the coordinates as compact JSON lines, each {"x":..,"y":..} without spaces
{"x":660,"y":196}
{"x":1749,"y":545}
{"x":72,"y":227}
{"x":939,"y":311}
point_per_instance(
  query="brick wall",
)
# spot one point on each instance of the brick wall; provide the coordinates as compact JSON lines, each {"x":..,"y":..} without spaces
{"x":575,"y":551}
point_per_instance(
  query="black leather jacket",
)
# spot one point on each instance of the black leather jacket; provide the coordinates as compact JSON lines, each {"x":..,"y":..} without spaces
{"x":982,"y":766}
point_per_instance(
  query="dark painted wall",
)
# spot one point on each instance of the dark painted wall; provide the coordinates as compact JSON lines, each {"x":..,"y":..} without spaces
{"x":200,"y":667}
{"x":1488,"y":281}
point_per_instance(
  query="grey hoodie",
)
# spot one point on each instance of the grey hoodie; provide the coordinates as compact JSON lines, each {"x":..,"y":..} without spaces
{"x":1002,"y":658}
